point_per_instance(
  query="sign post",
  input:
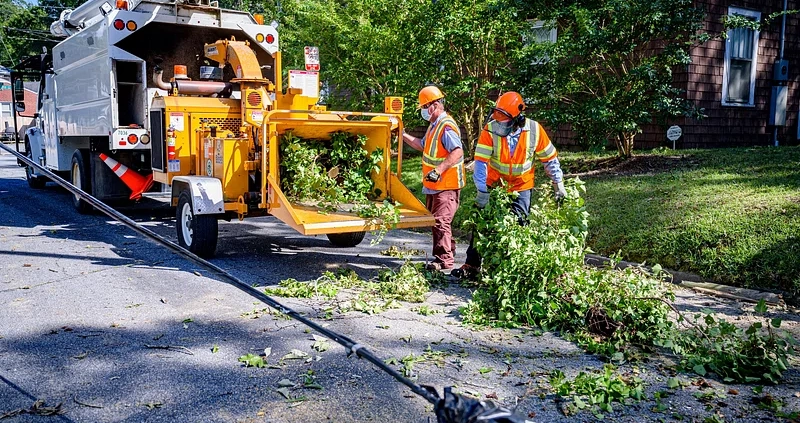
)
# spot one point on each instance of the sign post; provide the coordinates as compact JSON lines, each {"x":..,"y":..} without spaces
{"x":673,"y":133}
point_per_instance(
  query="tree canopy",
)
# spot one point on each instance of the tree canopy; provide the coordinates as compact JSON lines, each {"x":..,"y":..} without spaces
{"x":25,"y":28}
{"x":609,"y":71}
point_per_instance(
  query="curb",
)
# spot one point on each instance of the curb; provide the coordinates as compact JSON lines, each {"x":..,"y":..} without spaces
{"x":697,"y":283}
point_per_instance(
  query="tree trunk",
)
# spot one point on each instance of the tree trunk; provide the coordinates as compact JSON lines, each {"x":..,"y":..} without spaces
{"x":468,"y":138}
{"x":624,"y":143}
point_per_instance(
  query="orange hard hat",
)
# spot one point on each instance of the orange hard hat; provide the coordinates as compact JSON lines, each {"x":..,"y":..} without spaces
{"x":429,"y":94}
{"x":511,"y":103}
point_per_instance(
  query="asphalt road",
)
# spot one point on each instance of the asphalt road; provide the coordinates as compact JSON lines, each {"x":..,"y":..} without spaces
{"x":118,"y":329}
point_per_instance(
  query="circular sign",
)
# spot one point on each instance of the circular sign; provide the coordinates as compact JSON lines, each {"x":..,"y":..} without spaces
{"x":674,"y":132}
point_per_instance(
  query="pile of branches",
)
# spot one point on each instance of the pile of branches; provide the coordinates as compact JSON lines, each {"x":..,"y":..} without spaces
{"x":534,"y":275}
{"x":336,"y":175}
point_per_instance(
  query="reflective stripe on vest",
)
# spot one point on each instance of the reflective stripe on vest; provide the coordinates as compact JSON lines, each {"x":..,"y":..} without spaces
{"x":432,"y":156}
{"x":525,"y":141}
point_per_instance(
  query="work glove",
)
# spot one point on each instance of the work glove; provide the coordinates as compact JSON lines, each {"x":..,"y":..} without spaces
{"x":482,"y":199}
{"x":559,"y":191}
{"x":433,"y":176}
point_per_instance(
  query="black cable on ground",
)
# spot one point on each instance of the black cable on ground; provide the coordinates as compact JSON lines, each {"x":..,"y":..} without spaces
{"x":451,"y":408}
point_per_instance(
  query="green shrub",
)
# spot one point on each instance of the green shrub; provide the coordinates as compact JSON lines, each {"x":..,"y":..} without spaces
{"x":534,"y":275}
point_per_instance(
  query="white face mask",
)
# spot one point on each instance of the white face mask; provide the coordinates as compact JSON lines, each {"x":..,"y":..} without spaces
{"x":425,"y":114}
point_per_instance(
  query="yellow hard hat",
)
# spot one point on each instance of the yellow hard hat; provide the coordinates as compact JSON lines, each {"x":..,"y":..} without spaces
{"x":429,"y":94}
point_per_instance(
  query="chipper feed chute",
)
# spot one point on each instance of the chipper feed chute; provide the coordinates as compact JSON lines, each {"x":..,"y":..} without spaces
{"x":310,"y":220}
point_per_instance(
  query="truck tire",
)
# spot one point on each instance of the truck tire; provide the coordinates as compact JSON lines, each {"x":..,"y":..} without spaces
{"x":35,"y":182}
{"x":196,"y":233}
{"x":346,"y":240}
{"x":79,"y":176}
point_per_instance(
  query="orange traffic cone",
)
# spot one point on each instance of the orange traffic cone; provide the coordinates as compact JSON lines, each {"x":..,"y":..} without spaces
{"x":136,"y":182}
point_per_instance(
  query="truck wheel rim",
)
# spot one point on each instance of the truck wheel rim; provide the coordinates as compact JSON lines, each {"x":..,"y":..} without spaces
{"x":76,"y":179}
{"x":186,"y":223}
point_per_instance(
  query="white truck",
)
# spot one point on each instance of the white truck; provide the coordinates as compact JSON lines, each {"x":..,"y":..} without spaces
{"x":95,"y":95}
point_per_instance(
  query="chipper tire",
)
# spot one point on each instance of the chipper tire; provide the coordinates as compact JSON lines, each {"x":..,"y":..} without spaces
{"x":346,"y":240}
{"x":196,"y":233}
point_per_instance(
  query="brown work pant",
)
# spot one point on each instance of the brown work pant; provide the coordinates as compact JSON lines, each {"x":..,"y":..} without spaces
{"x":443,"y":206}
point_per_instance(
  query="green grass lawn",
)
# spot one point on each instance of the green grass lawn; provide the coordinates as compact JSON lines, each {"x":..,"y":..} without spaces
{"x":730,"y":215}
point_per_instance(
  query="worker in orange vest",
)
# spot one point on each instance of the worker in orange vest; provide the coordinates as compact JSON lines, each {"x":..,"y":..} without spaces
{"x":442,"y":172}
{"x":506,"y":148}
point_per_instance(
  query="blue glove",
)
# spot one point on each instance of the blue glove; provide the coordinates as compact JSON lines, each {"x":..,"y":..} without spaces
{"x":482,"y":199}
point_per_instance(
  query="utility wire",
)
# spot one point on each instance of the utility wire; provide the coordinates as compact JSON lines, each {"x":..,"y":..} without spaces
{"x":31,"y":39}
{"x":8,"y":52}
{"x":29,"y":31}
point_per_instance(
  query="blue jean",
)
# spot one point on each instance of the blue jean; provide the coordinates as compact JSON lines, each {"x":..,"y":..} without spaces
{"x":521,"y":207}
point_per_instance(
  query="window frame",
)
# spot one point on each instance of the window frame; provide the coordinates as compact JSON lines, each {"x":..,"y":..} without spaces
{"x":756,"y":15}
{"x":552,"y":38}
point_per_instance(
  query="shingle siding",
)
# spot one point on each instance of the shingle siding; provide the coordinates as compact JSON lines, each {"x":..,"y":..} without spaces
{"x":736,"y":125}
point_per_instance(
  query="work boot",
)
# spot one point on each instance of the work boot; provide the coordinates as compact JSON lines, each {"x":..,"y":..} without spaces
{"x":466,"y":272}
{"x":436,"y":266}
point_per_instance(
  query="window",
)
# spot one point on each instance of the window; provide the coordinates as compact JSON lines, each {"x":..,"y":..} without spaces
{"x":542,"y":32}
{"x":741,"y":58}
{"x":5,"y":110}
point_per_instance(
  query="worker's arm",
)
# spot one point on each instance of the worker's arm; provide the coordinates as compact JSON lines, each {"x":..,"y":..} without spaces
{"x":452,"y":143}
{"x":414,"y":142}
{"x":547,"y":154}
{"x":479,"y":175}
{"x":483,"y":151}
{"x":452,"y":158}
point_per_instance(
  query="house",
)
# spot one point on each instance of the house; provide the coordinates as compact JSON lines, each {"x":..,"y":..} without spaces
{"x":750,"y":97}
{"x":7,"y":106}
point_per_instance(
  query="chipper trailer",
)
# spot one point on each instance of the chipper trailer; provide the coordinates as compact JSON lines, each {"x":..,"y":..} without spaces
{"x":209,"y":135}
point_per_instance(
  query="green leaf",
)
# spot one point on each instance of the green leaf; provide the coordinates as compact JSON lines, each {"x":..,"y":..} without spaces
{"x":285,"y":392}
{"x":761,"y":307}
{"x":776,"y":322}
{"x":699,"y":369}
{"x":673,"y":382}
{"x":252,"y":360}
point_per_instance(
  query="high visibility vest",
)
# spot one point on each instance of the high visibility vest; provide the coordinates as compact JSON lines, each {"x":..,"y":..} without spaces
{"x":434,"y":154}
{"x":517,"y":169}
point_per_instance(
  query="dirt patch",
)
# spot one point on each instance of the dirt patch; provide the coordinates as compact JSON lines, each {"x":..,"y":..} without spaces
{"x":637,"y":165}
